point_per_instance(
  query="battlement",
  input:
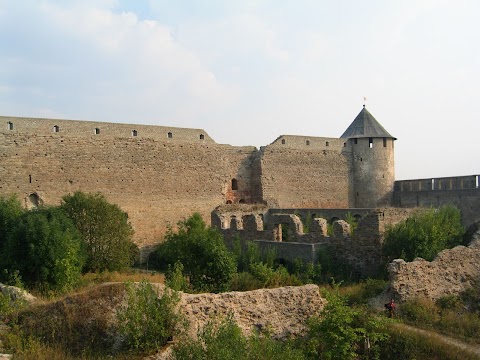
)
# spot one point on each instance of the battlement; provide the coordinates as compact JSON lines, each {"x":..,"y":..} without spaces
{"x":100,"y":130}
{"x":444,"y":183}
{"x":309,"y":143}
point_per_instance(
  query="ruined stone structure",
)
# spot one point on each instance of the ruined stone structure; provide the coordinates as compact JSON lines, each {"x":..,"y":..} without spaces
{"x":451,"y":272}
{"x":301,"y":233}
{"x":161,"y":174}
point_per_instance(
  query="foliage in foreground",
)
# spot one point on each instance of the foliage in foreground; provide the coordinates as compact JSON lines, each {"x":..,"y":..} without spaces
{"x":201,"y":250}
{"x":455,"y":316}
{"x":148,"y":320}
{"x":424,"y":234}
{"x":105,"y":230}
{"x":343,"y":332}
{"x":225,"y":341}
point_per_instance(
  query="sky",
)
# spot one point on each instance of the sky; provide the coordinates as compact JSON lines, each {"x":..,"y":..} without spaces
{"x":249,"y":71}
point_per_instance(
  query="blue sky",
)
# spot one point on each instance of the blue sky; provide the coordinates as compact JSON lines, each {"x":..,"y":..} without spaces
{"x":249,"y":71}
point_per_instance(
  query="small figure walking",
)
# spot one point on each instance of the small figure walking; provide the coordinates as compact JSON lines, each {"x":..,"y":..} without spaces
{"x":391,"y":308}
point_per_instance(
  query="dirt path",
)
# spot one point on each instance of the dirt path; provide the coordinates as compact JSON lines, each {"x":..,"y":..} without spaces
{"x":474,"y":349}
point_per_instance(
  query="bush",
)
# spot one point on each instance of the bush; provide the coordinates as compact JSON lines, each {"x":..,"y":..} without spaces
{"x":105,"y":230}
{"x":46,"y":250}
{"x":424,"y":234}
{"x":148,"y":321}
{"x":207,"y":263}
{"x":225,"y":341}
{"x":342,"y":332}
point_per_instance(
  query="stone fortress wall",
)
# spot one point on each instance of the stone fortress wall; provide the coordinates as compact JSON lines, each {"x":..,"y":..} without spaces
{"x":161,"y":174}
{"x":462,"y":191}
{"x":285,"y":231}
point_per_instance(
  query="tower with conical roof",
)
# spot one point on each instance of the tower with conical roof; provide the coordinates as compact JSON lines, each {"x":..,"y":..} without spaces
{"x":372,"y":172}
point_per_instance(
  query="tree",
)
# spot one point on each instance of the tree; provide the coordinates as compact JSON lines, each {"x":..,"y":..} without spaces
{"x":202,"y":251}
{"x":424,"y":234}
{"x":105,"y":230}
{"x":10,"y":211}
{"x":46,"y":249}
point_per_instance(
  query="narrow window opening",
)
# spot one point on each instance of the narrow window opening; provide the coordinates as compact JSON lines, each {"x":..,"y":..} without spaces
{"x":56,"y":129}
{"x":97,"y":131}
{"x":384,"y":142}
{"x":134,"y":133}
{"x":283,"y":141}
{"x":30,"y":179}
{"x":9,"y":125}
{"x":344,"y":144}
{"x":234,"y":184}
{"x":357,"y":193}
{"x":308,"y":142}
{"x":242,"y":201}
{"x":327,"y":143}
{"x":370,"y":143}
{"x":202,"y":137}
{"x":355,"y":141}
{"x":170,"y":135}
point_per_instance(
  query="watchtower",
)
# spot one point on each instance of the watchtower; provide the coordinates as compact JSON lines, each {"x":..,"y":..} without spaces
{"x":373,"y":173}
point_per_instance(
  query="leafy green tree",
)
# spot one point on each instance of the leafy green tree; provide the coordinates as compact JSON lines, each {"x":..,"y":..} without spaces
{"x":202,"y":251}
{"x":424,"y":234}
{"x":105,"y":230}
{"x":10,"y":211}
{"x":46,"y":249}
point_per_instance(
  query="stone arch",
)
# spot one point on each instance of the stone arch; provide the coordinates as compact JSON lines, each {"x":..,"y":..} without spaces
{"x":34,"y":201}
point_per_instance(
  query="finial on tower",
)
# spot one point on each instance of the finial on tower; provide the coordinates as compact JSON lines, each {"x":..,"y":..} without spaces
{"x":364,"y":101}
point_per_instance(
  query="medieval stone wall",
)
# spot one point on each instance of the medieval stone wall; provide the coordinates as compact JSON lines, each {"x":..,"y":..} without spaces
{"x":284,"y":231}
{"x":462,"y":191}
{"x":451,"y":272}
{"x":156,"y":182}
{"x":297,"y":175}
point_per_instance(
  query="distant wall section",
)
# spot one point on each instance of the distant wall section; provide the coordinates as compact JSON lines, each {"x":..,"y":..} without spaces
{"x":305,"y":172}
{"x":462,"y":191}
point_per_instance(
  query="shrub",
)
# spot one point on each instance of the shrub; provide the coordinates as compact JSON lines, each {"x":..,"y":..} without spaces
{"x":105,"y":230}
{"x":175,"y":279}
{"x":341,"y":332}
{"x":148,"y":320}
{"x":360,"y":293}
{"x":207,"y":263}
{"x":225,"y":341}
{"x":46,"y":250}
{"x":424,"y":234}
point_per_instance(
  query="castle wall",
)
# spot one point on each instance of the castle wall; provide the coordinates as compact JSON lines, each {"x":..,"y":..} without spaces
{"x":461,"y":191}
{"x":156,"y":181}
{"x":303,"y":172}
{"x":360,"y":249}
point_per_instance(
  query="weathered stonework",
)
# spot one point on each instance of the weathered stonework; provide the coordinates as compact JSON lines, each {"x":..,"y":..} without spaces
{"x":284,"y":231}
{"x":451,"y":272}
